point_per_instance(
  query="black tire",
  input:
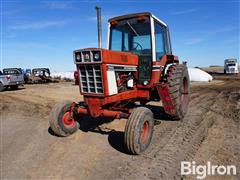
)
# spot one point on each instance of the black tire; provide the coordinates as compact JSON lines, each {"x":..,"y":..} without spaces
{"x":136,"y":137}
{"x":57,"y":123}
{"x":1,"y":87}
{"x":14,"y":87}
{"x":179,"y":87}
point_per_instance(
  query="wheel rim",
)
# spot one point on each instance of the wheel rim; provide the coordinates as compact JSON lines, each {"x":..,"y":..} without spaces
{"x":145,"y":132}
{"x":67,"y":121}
{"x":184,"y":93}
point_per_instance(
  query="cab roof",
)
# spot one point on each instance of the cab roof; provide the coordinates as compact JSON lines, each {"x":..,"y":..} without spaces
{"x":128,"y":16}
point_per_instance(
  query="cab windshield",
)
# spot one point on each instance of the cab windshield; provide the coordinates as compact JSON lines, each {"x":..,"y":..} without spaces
{"x":131,"y":35}
{"x":231,"y":64}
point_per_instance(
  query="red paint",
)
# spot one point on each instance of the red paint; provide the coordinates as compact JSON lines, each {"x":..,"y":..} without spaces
{"x":106,"y":105}
{"x":120,"y":58}
{"x":103,"y":112}
{"x":76,"y":77}
{"x":68,"y":120}
{"x":94,"y":106}
{"x":8,"y":78}
{"x":145,"y":132}
{"x":104,"y":76}
{"x":167,"y":102}
{"x":131,"y":94}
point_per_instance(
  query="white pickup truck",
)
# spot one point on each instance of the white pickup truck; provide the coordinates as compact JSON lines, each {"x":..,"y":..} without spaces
{"x":11,"y":77}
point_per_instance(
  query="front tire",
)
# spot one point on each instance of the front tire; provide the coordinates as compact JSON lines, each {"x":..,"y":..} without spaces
{"x":138,"y":130}
{"x":60,"y":121}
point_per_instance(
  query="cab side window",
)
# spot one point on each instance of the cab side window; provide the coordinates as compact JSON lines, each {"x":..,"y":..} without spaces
{"x":167,"y":45}
{"x":159,"y":41}
{"x":116,"y":40}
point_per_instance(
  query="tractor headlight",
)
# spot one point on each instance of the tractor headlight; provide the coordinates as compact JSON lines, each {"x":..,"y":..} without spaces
{"x":145,"y":83}
{"x":86,"y":56}
{"x":97,"y":56}
{"x":78,"y":57}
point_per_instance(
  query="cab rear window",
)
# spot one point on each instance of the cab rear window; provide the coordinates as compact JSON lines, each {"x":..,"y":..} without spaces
{"x":9,"y":72}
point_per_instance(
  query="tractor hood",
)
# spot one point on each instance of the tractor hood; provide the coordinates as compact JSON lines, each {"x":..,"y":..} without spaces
{"x":97,"y":55}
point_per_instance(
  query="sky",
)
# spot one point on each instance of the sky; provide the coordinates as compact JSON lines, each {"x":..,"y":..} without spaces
{"x":45,"y":33}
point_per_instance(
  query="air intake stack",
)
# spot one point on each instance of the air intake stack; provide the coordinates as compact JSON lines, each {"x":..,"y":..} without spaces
{"x":99,"y":25}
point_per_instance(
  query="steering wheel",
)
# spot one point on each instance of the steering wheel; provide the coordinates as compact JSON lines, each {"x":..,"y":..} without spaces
{"x":137,"y":45}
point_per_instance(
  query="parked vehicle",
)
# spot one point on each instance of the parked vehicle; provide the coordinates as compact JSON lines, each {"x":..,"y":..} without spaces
{"x":43,"y":74}
{"x":138,"y":66}
{"x":76,"y":77}
{"x":11,"y":77}
{"x":26,"y":74}
{"x":231,"y":66}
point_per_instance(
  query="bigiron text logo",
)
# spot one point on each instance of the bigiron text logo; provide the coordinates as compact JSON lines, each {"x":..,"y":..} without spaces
{"x":201,"y":171}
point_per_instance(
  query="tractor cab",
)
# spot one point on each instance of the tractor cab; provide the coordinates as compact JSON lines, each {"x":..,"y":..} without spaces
{"x":143,"y":35}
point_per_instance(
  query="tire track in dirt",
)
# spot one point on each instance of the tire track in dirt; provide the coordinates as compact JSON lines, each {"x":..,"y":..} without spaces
{"x":25,"y":106}
{"x":173,"y":142}
{"x":221,"y":145}
{"x":171,"y":145}
{"x":183,"y":143}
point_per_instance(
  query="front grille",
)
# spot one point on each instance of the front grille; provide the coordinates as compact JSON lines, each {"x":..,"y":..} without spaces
{"x":91,"y":79}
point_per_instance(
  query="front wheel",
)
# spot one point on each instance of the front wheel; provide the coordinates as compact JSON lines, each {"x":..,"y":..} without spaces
{"x":61,"y":122}
{"x":139,"y":130}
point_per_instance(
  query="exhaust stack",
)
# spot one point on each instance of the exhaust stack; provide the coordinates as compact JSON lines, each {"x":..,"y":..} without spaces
{"x":99,"y":25}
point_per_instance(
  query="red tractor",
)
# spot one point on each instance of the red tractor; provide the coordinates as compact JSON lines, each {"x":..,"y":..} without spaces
{"x":137,"y":66}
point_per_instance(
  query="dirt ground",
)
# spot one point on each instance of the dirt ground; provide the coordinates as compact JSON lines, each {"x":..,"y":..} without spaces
{"x":29,"y":150}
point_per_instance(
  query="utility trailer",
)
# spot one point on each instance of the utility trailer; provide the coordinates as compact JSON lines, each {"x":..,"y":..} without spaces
{"x":40,"y":75}
{"x":137,"y":66}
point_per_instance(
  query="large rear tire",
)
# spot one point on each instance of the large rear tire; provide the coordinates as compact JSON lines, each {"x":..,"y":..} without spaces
{"x":179,"y":87}
{"x":60,"y":121}
{"x":138,"y":130}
